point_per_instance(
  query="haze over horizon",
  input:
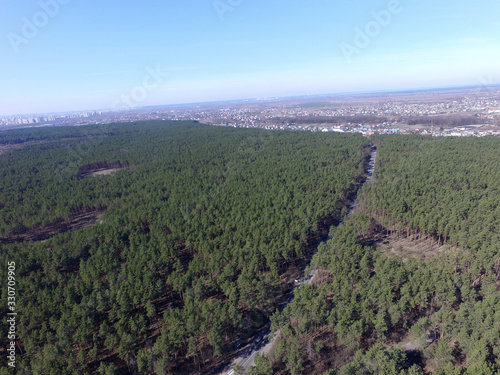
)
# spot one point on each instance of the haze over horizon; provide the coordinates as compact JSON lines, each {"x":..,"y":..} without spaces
{"x":68,"y":55}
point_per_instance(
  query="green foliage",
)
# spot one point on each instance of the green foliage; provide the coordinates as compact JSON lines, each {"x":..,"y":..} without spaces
{"x":377,"y":360}
{"x":238,"y":370}
{"x":107,"y":369}
{"x":444,"y":307}
{"x":262,"y":366}
{"x":440,"y":354}
{"x":191,"y":236}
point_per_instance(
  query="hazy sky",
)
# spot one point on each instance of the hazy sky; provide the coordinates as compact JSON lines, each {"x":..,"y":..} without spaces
{"x":75,"y":54}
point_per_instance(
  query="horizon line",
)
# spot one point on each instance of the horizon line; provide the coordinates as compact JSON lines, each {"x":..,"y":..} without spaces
{"x":380,"y":91}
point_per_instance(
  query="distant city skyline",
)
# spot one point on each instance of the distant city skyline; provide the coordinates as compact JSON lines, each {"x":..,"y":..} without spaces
{"x":60,"y":56}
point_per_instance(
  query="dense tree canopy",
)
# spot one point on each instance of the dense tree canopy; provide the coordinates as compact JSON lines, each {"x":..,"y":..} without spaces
{"x":161,"y":266}
{"x":377,"y":310}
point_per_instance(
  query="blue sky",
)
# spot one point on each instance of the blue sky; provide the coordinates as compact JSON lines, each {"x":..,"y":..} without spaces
{"x":89,"y":54}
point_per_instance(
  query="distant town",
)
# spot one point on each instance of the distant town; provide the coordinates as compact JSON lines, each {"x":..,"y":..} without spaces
{"x":447,"y":112}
